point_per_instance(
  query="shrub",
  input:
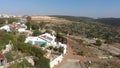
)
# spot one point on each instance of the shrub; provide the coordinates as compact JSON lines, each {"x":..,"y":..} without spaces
{"x":80,"y":53}
{"x":98,"y":43}
{"x":9,"y":57}
{"x":42,"y":62}
{"x":21,"y":38}
{"x":61,"y":49}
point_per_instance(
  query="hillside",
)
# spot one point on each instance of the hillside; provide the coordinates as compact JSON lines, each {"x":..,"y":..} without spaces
{"x":110,"y":21}
{"x":82,"y":26}
{"x":88,"y":27}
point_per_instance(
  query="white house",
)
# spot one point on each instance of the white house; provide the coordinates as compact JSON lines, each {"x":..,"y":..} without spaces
{"x":48,"y":39}
{"x":44,"y":39}
{"x":21,"y":27}
{"x":6,"y":28}
{"x":21,"y":30}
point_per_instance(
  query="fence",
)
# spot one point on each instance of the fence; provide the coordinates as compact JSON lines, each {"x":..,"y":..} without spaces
{"x":59,"y":58}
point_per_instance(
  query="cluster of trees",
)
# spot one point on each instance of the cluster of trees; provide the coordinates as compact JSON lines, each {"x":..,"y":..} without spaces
{"x":34,"y":25}
{"x":9,"y":20}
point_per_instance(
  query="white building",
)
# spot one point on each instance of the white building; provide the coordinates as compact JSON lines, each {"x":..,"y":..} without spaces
{"x":48,"y":39}
{"x":44,"y":39}
{"x":20,"y":30}
{"x":19,"y":26}
{"x":6,"y":28}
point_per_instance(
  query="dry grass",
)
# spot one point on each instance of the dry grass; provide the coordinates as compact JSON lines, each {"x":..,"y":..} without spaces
{"x":88,"y":51}
{"x":50,"y":19}
{"x":104,"y":64}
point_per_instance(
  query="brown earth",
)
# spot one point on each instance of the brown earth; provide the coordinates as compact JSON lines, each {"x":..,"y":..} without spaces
{"x":50,"y":19}
{"x":82,"y":59}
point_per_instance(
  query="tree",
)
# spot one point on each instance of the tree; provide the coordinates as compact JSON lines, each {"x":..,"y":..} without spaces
{"x":2,"y":20}
{"x":36,"y":33}
{"x":35,"y":26}
{"x":28,"y":25}
{"x":11,"y":20}
{"x":42,"y":25}
{"x":28,"y":22}
{"x":28,"y":18}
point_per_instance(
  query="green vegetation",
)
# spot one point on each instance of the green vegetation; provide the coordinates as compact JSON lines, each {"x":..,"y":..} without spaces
{"x":98,"y":43}
{"x":20,"y":46}
{"x":110,"y":21}
{"x":5,"y":38}
{"x":28,"y":22}
{"x":79,"y":26}
{"x":36,"y":33}
{"x":10,"y":20}
{"x":9,"y":56}
{"x":44,"y":63}
{"x":80,"y":53}
{"x":61,"y":49}
{"x":42,"y":25}
{"x":21,"y":38}
{"x":61,"y":38}
{"x":34,"y":25}
{"x":23,"y":64}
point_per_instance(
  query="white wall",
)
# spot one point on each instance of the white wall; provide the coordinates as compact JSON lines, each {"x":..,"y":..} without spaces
{"x":59,"y":58}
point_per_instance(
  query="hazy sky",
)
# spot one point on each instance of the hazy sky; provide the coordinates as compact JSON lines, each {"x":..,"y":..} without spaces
{"x":90,"y":8}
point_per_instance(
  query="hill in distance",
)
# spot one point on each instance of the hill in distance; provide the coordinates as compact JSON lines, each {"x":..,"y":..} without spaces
{"x":108,"y":21}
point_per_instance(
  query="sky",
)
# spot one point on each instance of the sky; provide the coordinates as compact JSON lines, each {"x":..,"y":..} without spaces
{"x":87,"y":8}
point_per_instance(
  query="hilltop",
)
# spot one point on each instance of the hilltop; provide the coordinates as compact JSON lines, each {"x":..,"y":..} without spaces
{"x":108,"y":21}
{"x":49,"y":19}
